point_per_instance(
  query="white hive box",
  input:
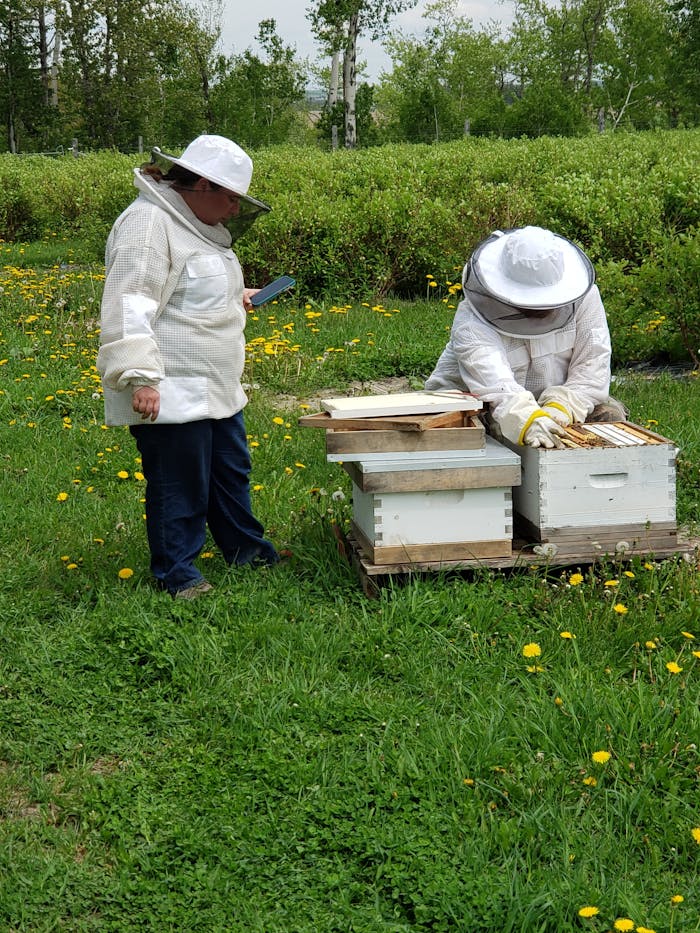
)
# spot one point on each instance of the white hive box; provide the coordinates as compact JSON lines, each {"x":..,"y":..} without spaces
{"x":604,"y":496}
{"x":446,"y":509}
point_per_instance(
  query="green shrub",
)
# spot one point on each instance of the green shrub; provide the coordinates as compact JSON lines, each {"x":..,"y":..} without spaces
{"x":374,"y":223}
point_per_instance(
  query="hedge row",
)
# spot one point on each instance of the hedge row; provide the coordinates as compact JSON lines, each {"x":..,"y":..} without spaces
{"x":377,"y":222}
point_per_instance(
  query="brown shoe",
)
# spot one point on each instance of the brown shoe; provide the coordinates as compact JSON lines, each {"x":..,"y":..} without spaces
{"x":195,"y":591}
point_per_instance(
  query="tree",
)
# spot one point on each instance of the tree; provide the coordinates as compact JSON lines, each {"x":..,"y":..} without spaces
{"x":24,"y":75}
{"x":634,"y":69}
{"x":684,"y":59}
{"x":123,"y":64}
{"x":447,"y":81}
{"x":336,"y":21}
{"x":256,"y":100}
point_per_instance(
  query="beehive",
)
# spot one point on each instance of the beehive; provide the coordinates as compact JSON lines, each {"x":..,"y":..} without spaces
{"x":613,"y":487}
{"x":435,"y":510}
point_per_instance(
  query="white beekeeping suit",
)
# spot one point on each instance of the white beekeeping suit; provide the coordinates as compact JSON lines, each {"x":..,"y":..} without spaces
{"x":530,"y":338}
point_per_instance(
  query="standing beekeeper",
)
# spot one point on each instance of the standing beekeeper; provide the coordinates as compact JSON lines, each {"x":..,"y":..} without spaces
{"x":530,"y":338}
{"x":172,"y":354}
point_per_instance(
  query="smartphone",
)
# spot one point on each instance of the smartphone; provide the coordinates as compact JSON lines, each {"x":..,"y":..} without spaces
{"x":272,"y":290}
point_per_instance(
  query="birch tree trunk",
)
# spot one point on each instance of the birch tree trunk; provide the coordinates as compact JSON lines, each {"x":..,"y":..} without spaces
{"x":333,"y":83}
{"x":350,"y":82}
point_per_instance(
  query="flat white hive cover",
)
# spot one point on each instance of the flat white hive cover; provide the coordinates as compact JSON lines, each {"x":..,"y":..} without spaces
{"x":400,"y":403}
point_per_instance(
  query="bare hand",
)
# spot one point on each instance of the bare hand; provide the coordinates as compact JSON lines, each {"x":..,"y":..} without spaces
{"x":247,"y":295}
{"x":146,"y":401}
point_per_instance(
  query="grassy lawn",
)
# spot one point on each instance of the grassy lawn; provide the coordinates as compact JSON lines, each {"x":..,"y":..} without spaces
{"x":492,"y":753}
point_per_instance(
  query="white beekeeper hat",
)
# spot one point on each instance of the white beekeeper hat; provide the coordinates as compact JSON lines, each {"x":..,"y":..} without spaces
{"x":223,"y":162}
{"x":528,"y":281}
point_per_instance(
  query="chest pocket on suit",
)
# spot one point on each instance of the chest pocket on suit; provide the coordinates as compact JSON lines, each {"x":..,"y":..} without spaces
{"x":206,"y":284}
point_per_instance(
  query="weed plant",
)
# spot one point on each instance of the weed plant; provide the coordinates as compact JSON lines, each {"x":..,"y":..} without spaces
{"x":498,"y":752}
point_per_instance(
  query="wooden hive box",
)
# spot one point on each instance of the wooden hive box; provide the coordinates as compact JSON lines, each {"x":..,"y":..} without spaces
{"x":614,"y":488}
{"x":435,"y":510}
{"x":378,"y":438}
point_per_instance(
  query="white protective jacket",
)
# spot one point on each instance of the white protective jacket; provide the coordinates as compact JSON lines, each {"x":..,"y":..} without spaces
{"x":568,"y":368}
{"x":172,"y":312}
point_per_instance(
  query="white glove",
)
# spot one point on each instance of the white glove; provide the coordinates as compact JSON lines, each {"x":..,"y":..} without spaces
{"x":567,"y":400}
{"x":557,"y":414}
{"x":544,"y":432}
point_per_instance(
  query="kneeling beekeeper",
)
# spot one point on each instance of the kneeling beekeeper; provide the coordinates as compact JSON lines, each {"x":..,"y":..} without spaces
{"x":530,"y":339}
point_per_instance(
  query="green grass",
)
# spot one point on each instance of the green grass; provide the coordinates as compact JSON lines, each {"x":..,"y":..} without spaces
{"x":288,"y":755}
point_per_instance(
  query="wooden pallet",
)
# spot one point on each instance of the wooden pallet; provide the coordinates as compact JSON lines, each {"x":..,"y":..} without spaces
{"x":524,"y":554}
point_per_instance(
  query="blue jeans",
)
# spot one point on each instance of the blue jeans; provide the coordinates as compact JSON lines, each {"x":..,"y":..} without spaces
{"x":197,"y":474}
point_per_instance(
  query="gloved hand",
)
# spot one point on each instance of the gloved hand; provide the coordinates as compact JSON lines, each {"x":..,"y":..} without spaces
{"x":567,"y":401}
{"x":544,"y":432}
{"x":556,"y":413}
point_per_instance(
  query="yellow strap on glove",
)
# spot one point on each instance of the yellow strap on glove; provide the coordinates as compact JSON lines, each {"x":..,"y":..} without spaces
{"x":557,"y":413}
{"x":544,"y":432}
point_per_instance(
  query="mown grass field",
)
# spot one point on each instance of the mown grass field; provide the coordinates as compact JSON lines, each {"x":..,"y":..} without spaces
{"x":494,"y":753}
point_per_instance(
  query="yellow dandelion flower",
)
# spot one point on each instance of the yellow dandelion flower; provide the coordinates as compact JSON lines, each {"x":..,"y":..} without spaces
{"x":677,"y":899}
{"x":122,"y":474}
{"x":302,"y":466}
{"x":532,"y":650}
{"x":673,"y":668}
{"x":696,"y":654}
{"x":558,"y":701}
{"x":588,"y":912}
{"x":688,"y":635}
{"x":695,"y":833}
{"x":469,"y":782}
{"x":645,"y":930}
{"x":628,"y":573}
{"x":611,"y":583}
{"x":535,"y":669}
{"x":590,"y":781}
{"x":650,"y":645}
{"x":623,"y":923}
{"x":601,"y":757}
{"x":71,"y":566}
{"x":278,"y":420}
{"x":568,"y":635}
{"x":61,"y":497}
{"x":575,"y":579}
{"x":206,"y":555}
{"x":620,"y":609}
{"x":139,"y":476}
{"x":288,"y":470}
{"x":125,"y":573}
{"x":257,"y":487}
{"x":648,"y":566}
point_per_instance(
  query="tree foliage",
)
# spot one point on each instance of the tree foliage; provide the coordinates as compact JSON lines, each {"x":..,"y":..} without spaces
{"x":121,"y":73}
{"x":564,"y":67}
{"x":256,"y":101}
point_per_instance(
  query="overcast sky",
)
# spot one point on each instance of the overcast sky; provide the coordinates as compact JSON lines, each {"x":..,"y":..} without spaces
{"x":241,"y":18}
